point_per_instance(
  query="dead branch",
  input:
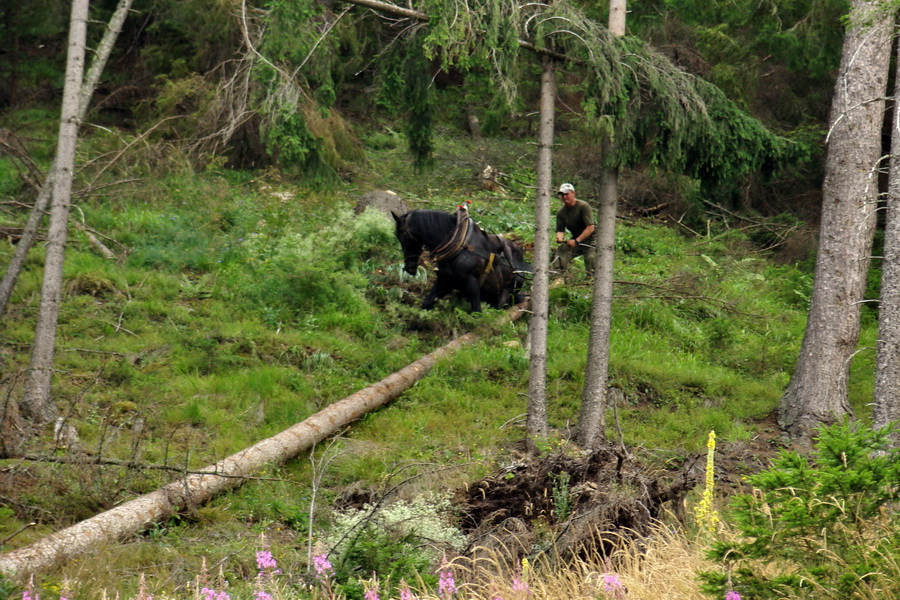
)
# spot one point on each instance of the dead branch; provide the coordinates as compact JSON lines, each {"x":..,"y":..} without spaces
{"x":675,"y":294}
{"x":88,"y":460}
{"x":12,"y":146}
{"x":119,"y":153}
{"x":21,"y":529}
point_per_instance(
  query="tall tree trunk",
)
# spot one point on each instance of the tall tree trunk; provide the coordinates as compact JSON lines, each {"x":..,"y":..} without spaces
{"x":36,"y":403}
{"x":818,"y":389}
{"x":194,"y":489}
{"x":536,"y":425}
{"x":591,"y":419}
{"x":887,"y":365}
{"x":98,"y":63}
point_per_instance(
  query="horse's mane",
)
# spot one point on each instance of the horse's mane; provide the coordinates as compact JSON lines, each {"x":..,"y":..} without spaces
{"x":431,"y":221}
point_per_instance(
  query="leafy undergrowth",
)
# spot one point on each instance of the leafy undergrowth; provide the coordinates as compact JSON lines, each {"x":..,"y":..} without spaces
{"x":244,"y":302}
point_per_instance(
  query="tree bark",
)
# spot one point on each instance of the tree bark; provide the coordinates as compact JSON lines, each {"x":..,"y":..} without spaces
{"x":886,"y":408}
{"x":36,"y":405}
{"x":591,"y":419}
{"x":818,"y":389}
{"x":14,"y":268}
{"x":192,"y":490}
{"x":536,"y":425}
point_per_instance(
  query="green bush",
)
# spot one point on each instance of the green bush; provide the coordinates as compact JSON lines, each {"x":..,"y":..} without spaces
{"x":289,"y":277}
{"x":817,"y":527}
{"x":398,"y":541}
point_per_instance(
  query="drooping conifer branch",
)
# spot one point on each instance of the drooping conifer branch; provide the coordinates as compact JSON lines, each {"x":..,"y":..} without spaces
{"x":657,"y":113}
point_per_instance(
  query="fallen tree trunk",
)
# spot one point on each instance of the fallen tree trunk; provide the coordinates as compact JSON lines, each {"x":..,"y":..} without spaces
{"x":192,"y":490}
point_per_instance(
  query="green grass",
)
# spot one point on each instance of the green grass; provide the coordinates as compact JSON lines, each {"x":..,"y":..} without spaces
{"x":245,"y":303}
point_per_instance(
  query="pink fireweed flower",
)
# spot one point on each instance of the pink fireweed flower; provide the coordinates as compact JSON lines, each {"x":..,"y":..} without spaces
{"x":519,"y":586}
{"x":406,"y":593}
{"x":142,"y":589}
{"x":446,"y":585}
{"x":211,"y":594}
{"x":612,"y":586}
{"x":324,"y":570}
{"x":265,"y":561}
{"x":371,"y":594}
{"x":612,"y":583}
{"x":732,"y":595}
{"x":262,"y":595}
{"x":29,"y":593}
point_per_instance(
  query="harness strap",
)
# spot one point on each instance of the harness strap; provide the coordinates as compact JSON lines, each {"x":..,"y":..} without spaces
{"x":487,"y":268}
{"x":458,"y":238}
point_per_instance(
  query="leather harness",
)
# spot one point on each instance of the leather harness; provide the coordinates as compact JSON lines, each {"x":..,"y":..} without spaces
{"x":459,"y":241}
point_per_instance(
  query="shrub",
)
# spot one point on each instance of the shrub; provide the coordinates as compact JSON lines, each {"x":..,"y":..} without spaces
{"x":818,"y":528}
{"x":295,"y":274}
{"x":398,"y":541}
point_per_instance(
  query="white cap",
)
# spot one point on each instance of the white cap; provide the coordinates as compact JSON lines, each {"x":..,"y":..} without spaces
{"x":566,"y":188}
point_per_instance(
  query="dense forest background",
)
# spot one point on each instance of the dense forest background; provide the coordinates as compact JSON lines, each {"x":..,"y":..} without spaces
{"x":219,"y":288}
{"x":775,"y":60}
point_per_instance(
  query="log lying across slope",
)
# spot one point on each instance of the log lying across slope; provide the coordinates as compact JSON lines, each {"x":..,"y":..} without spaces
{"x":136,"y":515}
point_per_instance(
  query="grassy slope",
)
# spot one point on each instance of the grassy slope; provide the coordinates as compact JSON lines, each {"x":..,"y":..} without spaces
{"x":247,"y":302}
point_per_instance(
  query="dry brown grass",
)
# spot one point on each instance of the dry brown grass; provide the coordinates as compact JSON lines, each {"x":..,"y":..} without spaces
{"x":661,"y":565}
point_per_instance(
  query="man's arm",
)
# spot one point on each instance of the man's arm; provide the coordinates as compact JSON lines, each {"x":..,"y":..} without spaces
{"x":585,"y":234}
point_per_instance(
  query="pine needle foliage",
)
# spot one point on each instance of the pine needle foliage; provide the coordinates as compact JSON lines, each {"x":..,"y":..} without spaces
{"x":656,"y":113}
{"x":801,"y":33}
{"x":298,"y":70}
{"x":405,"y":88}
{"x":820,"y":526}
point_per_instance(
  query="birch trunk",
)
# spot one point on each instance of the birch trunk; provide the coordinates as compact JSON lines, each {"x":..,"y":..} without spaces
{"x":536,"y":425}
{"x":818,"y":389}
{"x":887,"y":363}
{"x":591,"y":420}
{"x":36,"y":405}
{"x":29,"y":233}
{"x":135,"y":515}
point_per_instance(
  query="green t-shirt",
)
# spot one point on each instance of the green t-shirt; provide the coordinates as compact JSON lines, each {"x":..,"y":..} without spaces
{"x":575,"y":219}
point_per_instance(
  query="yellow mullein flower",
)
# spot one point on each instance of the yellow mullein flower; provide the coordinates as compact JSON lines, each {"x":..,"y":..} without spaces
{"x":707,"y":517}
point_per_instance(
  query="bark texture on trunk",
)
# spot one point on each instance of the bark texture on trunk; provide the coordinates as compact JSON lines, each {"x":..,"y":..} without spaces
{"x":818,"y":389}
{"x":192,"y":490}
{"x":887,"y":363}
{"x":591,"y":419}
{"x":536,"y":423}
{"x":29,"y":233}
{"x":36,"y":404}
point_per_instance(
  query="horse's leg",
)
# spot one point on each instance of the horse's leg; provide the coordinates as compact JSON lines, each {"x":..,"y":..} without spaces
{"x":473,"y":292}
{"x":441,"y":288}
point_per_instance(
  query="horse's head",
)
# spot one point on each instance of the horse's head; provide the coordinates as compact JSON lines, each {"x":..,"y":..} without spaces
{"x":412,"y":247}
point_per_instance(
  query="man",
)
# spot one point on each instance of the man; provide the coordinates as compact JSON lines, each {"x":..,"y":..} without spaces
{"x":577,"y":217}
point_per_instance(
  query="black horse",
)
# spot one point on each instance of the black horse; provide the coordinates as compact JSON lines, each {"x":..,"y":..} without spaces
{"x":480,"y":266}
